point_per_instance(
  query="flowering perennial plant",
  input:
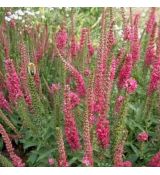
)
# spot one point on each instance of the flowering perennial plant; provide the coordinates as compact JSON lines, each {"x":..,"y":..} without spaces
{"x":82,"y":87}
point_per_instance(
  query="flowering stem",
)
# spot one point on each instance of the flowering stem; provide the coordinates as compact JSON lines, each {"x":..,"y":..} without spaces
{"x":119,"y":127}
{"x":141,"y":154}
{"x":8,"y":122}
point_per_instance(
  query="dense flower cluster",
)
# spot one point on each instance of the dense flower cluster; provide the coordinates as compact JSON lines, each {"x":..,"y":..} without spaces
{"x":62,"y":161}
{"x":111,"y":40}
{"x":24,"y":74}
{"x":127,"y":28}
{"x":12,"y":82}
{"x":120,"y":56}
{"x":155,"y":160}
{"x":142,"y":137}
{"x":81,"y":93}
{"x":151,"y":51}
{"x":127,"y":33}
{"x":15,"y":159}
{"x":112,"y":70}
{"x":74,"y":99}
{"x":125,"y":71}
{"x":150,"y":55}
{"x":80,"y":86}
{"x":109,"y":83}
{"x":88,"y":150}
{"x":103,"y":132}
{"x":74,"y":48}
{"x":37,"y":78}
{"x":155,"y":77}
{"x":151,"y":20}
{"x":61,"y":39}
{"x":130,"y":85}
{"x":103,"y":84}
{"x":71,"y":131}
{"x":83,"y":37}
{"x":118,"y":157}
{"x":135,"y":43}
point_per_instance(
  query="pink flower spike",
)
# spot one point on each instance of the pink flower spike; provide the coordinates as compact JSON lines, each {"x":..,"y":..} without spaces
{"x":155,"y":160}
{"x":155,"y":77}
{"x":103,"y":132}
{"x":74,"y":48}
{"x":127,"y":33}
{"x":151,"y":20}
{"x":71,"y":130}
{"x":17,"y":161}
{"x":125,"y":71}
{"x":74,"y":99}
{"x":83,"y":38}
{"x":12,"y":82}
{"x":135,"y":42}
{"x":61,"y":39}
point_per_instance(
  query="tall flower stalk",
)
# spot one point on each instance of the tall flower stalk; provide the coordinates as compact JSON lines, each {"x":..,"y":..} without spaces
{"x":15,"y":93}
{"x":24,"y":74}
{"x":12,"y":82}
{"x":71,"y":131}
{"x":151,"y":51}
{"x":151,"y":21}
{"x":88,"y":150}
{"x":16,"y":160}
{"x":80,"y":84}
{"x":8,"y":122}
{"x":62,"y":160}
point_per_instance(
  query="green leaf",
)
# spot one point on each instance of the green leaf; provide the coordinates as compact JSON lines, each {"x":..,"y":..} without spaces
{"x":132,"y":157}
{"x":1,"y":144}
{"x":131,"y":106}
{"x":73,"y":160}
{"x":29,"y":144}
{"x":134,"y":148}
{"x":46,"y":154}
{"x":32,"y":158}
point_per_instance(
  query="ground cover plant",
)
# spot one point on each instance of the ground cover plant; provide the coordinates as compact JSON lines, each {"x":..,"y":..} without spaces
{"x":79,"y":87}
